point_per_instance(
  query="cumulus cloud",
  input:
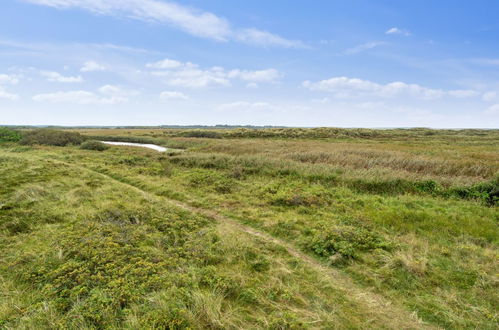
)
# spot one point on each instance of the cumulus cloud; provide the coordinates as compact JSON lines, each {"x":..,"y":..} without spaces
{"x":165,"y":64}
{"x":190,"y":20}
{"x":194,"y":77}
{"x":395,"y":30}
{"x":8,"y":96}
{"x":173,"y":95}
{"x":364,"y":47}
{"x":180,"y":74}
{"x":57,"y":77}
{"x":268,"y":75}
{"x":107,"y":95}
{"x":344,"y":87}
{"x":8,"y":79}
{"x":91,"y":66}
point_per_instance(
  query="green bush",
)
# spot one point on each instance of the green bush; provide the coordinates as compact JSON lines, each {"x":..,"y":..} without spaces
{"x":345,"y":241}
{"x":94,"y":145}
{"x":9,"y":135}
{"x":52,"y":137}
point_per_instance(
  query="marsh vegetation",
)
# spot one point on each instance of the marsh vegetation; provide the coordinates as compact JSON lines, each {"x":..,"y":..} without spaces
{"x":271,"y":228}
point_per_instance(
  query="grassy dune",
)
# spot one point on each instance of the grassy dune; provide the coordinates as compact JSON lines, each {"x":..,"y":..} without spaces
{"x":267,"y":229}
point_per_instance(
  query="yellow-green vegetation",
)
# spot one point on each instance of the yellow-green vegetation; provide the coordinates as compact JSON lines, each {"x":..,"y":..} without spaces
{"x":270,"y":228}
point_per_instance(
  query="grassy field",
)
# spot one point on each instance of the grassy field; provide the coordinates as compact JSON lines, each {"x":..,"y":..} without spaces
{"x":270,"y":228}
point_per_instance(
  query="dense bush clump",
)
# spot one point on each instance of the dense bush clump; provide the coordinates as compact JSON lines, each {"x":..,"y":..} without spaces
{"x":52,"y":137}
{"x":485,"y":191}
{"x":202,"y":134}
{"x":94,"y":145}
{"x":9,"y":135}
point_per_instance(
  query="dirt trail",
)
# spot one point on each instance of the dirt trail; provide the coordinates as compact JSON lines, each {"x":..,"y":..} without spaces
{"x":397,"y":317}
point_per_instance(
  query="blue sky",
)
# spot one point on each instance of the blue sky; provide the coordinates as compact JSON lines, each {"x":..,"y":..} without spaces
{"x":356,"y":63}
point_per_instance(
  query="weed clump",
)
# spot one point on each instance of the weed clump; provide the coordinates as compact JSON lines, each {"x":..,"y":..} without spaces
{"x":94,"y":145}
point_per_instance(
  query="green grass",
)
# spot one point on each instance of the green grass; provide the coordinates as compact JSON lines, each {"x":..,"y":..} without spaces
{"x":90,"y":239}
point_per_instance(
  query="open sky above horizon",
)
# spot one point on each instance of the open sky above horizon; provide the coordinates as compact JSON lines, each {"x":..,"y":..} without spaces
{"x":356,"y":63}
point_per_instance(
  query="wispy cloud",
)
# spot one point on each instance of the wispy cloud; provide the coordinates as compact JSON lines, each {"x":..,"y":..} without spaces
{"x":364,"y":47}
{"x":395,"y":30}
{"x":57,"y":77}
{"x":79,"y":97}
{"x":190,"y":20}
{"x":173,"y":95}
{"x":486,"y":61}
{"x":493,"y":110}
{"x":489,"y":96}
{"x":266,"y":39}
{"x":344,"y":87}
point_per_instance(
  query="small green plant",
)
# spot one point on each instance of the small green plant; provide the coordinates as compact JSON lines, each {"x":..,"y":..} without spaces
{"x":94,"y":145}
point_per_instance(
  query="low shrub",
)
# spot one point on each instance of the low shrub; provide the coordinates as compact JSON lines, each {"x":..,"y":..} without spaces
{"x":344,"y":241}
{"x":487,"y":192}
{"x":9,"y":135}
{"x":51,"y":137}
{"x":94,"y":145}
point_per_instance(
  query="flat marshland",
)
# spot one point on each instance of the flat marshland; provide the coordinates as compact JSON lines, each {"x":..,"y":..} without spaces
{"x":249,"y":228}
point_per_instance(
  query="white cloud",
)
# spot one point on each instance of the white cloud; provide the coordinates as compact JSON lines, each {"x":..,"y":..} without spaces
{"x":194,"y":78}
{"x":248,"y":106}
{"x":57,"y":77}
{"x":8,"y":79}
{"x":268,"y":75}
{"x":165,"y":64}
{"x":265,"y":39}
{"x":91,"y":66}
{"x":6,"y":95}
{"x":489,"y":96}
{"x":395,"y":30}
{"x":180,"y":74}
{"x":463,"y":93}
{"x":173,"y":95}
{"x":364,"y":47}
{"x":193,"y":21}
{"x":492,"y":110}
{"x":344,"y":87}
{"x":81,"y":97}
